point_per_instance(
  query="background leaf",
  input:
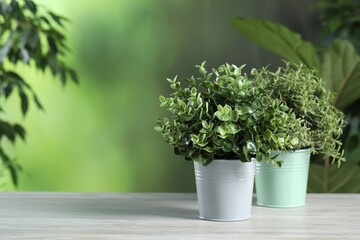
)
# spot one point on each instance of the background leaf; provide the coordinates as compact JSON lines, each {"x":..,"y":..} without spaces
{"x":341,"y":72}
{"x":278,"y":39}
{"x":331,"y":179}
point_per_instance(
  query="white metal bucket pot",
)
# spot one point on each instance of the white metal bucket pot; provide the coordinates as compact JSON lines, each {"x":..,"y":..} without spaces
{"x":225,"y":189}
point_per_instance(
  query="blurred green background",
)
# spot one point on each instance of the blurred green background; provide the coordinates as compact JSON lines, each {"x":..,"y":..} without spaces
{"x":99,"y":136}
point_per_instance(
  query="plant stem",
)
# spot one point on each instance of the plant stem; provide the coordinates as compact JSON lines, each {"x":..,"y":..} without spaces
{"x":326,"y":173}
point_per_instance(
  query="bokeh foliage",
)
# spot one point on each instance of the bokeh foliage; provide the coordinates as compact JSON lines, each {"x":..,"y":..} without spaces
{"x":339,"y":67}
{"x":33,"y":37}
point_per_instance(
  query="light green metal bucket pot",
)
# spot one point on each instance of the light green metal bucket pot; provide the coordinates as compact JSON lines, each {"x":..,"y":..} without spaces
{"x":286,"y":186}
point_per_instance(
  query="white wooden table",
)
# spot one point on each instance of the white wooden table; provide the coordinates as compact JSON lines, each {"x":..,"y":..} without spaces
{"x":33,"y":215}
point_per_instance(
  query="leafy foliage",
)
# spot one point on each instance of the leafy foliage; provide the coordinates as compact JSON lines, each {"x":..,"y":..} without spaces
{"x":304,"y":93}
{"x":341,"y":68}
{"x":228,"y":114}
{"x":279,"y":39}
{"x":345,"y":179}
{"x":340,"y":18}
{"x":352,"y":143}
{"x":338,"y":57}
{"x":32,"y":36}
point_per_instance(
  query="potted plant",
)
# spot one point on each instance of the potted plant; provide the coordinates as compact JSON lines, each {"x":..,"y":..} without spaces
{"x":303,"y":92}
{"x":223,"y":120}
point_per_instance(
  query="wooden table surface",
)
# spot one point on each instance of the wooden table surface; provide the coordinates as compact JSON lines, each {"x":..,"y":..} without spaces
{"x":34,"y":215}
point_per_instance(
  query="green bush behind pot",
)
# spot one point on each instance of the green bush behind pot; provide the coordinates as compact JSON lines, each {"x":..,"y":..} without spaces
{"x":305,"y":94}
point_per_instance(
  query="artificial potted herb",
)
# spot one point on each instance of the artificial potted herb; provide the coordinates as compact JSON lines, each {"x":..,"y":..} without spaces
{"x":221,"y":121}
{"x":303,"y":92}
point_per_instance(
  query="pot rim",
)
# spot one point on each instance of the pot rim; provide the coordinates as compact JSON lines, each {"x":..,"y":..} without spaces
{"x":293,"y":151}
{"x":228,"y":160}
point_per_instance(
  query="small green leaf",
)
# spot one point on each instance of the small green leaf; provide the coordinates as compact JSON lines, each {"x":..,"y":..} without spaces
{"x":52,"y":44}
{"x":158,"y":128}
{"x":202,"y":71}
{"x":294,"y":141}
{"x":13,"y":174}
{"x":234,"y":115}
{"x":224,"y":113}
{"x":44,"y":19}
{"x":24,"y":102}
{"x":204,"y":124}
{"x":279,"y":163}
{"x":237,"y":72}
{"x":227,"y":146}
{"x":7,"y":130}
{"x":57,"y":18}
{"x":19,"y":131}
{"x":4,"y":50}
{"x":31,"y":6}
{"x":233,"y":128}
{"x":162,"y":100}
{"x":267,"y":134}
{"x":194,"y":138}
{"x":4,"y":156}
{"x":246,"y":153}
{"x":284,"y":108}
{"x":245,"y":110}
{"x":253,"y":71}
{"x":251,"y":147}
{"x":62,"y":72}
{"x":259,"y":157}
{"x":25,"y":55}
{"x":37,"y":102}
{"x":208,"y":149}
{"x":8,"y":89}
{"x":73,"y":76}
{"x":222,"y":130}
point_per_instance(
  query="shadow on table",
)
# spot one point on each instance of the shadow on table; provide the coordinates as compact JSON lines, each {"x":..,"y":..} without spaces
{"x":122,"y":208}
{"x":129,"y":206}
